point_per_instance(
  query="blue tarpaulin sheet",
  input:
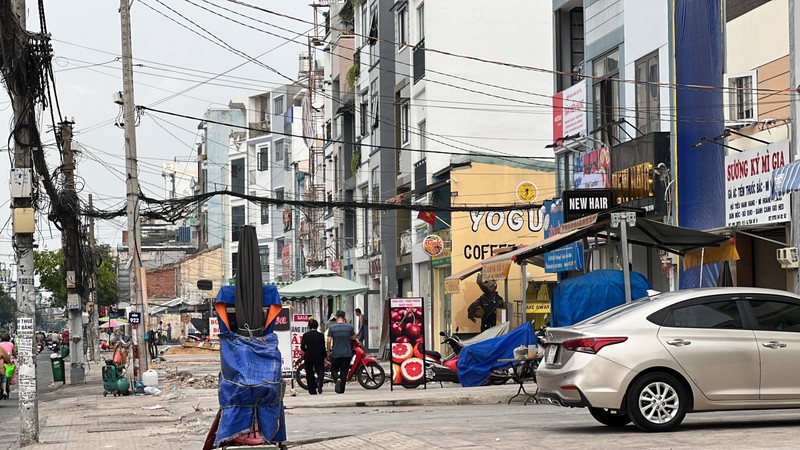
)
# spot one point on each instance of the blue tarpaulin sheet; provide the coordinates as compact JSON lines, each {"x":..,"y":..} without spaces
{"x":250,"y":385}
{"x":477,"y":361}
{"x":786,"y":180}
{"x":579,"y":298}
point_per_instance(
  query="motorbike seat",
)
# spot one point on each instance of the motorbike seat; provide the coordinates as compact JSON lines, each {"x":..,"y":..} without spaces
{"x":433,"y":353}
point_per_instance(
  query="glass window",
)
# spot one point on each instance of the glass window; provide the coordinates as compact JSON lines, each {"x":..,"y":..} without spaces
{"x":234,"y":263}
{"x":647,"y":94}
{"x":237,"y":222}
{"x":363,"y":115}
{"x":776,"y":315}
{"x":263,"y":256}
{"x":421,"y":23}
{"x":719,"y":315}
{"x":741,"y":98}
{"x":422,"y":127}
{"x":402,"y":32}
{"x":278,"y":106}
{"x":264,"y":213}
{"x":374,"y":104}
{"x":279,"y":196}
{"x":404,"y":123}
{"x":263,"y":159}
{"x":237,"y":175}
{"x":278,"y":150}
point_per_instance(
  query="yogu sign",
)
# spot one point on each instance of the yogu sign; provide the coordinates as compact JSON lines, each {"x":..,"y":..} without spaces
{"x":515,"y":220}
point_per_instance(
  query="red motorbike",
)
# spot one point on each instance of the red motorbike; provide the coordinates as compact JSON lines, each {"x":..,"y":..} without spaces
{"x":366,"y":370}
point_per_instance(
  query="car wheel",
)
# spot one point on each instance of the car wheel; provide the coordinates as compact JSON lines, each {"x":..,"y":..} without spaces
{"x":657,"y":402}
{"x":611,"y":417}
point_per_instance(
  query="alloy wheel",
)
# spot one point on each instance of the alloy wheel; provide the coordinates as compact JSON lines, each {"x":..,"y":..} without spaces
{"x":659,"y":402}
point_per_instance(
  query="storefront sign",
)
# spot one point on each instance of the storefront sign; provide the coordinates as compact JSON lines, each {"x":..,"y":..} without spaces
{"x":282,"y":321}
{"x":568,"y":257}
{"x":213,"y":329}
{"x":583,"y":202}
{"x":443,"y":258}
{"x":407,"y":334}
{"x":747,"y":186}
{"x":375,"y":267}
{"x":637,"y":167}
{"x":538,"y":308}
{"x":336,"y":267}
{"x":135,"y":317}
{"x":433,"y":245}
{"x":299,"y":327}
{"x":286,"y":262}
{"x":592,"y":170}
{"x":569,"y":111}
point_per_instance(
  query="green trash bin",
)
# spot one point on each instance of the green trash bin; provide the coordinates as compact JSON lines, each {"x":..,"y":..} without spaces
{"x":57,"y":366}
{"x":64,"y":351}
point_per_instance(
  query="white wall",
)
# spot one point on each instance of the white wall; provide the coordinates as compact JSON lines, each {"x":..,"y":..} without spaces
{"x":758,"y":37}
{"x":512,"y":31}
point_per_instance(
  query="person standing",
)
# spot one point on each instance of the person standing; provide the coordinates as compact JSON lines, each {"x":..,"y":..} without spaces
{"x":313,"y":346}
{"x":361,"y":327}
{"x":169,"y":331}
{"x":152,"y":346}
{"x":340,"y":346}
{"x":159,"y":331}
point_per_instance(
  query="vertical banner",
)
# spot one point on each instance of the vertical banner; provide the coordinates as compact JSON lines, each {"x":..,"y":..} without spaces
{"x":407,"y":335}
{"x":299,"y":328}
{"x":213,"y":328}
{"x":282,"y":331}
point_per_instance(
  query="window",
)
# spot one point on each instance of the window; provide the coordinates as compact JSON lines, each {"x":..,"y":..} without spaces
{"x":373,"y":37}
{"x":774,"y":315}
{"x":421,"y":23}
{"x":287,"y":150}
{"x":404,"y":123}
{"x":423,"y":137}
{"x":402,"y":28}
{"x":263,"y":258}
{"x":606,"y":97}
{"x":364,"y":22}
{"x":647,"y":94}
{"x":364,"y":113}
{"x":264,"y":213}
{"x":278,"y":145}
{"x":718,"y":315}
{"x":237,"y":176}
{"x":277,"y":104}
{"x":279,"y":197}
{"x":742,"y":105}
{"x":263,"y":159}
{"x":374,"y":102}
{"x":234,"y":263}
{"x":237,"y":221}
{"x":565,"y":170}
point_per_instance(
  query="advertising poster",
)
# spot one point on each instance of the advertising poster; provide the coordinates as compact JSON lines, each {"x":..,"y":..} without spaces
{"x":407,"y":335}
{"x":592,"y":170}
{"x":569,"y":111}
{"x":284,"y":340}
{"x":747,"y":186}
{"x":299,"y":328}
{"x":568,"y":257}
{"x":213,"y":328}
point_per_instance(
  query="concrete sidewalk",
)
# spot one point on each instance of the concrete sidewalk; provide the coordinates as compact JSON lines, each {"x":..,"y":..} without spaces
{"x":80,"y":417}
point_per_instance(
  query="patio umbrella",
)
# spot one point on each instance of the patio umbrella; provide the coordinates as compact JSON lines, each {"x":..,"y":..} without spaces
{"x":249,"y":313}
{"x":321,"y":282}
{"x":725,"y":277}
{"x":113,"y":323}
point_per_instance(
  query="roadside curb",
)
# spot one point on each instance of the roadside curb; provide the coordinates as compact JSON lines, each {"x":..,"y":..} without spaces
{"x":451,"y":401}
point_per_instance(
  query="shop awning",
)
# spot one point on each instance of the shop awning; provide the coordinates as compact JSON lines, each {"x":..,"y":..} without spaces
{"x":453,"y":282}
{"x":786,"y":179}
{"x":710,"y":256}
{"x":673,"y":239}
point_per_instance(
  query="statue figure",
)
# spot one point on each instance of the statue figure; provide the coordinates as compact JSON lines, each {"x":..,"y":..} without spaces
{"x":486,"y":306}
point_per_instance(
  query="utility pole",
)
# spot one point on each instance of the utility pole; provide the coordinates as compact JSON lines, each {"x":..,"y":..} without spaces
{"x":794,"y":74}
{"x":23,"y":227}
{"x":72,"y":259}
{"x":94,"y":314}
{"x":132,"y":184}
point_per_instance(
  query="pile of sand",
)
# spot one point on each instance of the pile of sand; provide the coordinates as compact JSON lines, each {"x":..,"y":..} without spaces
{"x":179,"y":350}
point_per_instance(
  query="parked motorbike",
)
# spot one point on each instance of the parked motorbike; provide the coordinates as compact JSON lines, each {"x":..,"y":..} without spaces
{"x":439,"y":370}
{"x":368,"y":372}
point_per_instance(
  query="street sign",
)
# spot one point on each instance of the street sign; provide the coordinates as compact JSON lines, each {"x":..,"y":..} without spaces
{"x":135,"y":318}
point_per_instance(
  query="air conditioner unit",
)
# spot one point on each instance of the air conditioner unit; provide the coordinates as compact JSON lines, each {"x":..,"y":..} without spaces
{"x":788,"y":257}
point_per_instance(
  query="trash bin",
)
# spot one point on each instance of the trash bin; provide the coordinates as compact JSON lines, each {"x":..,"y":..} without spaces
{"x":57,"y":366}
{"x":64,"y":351}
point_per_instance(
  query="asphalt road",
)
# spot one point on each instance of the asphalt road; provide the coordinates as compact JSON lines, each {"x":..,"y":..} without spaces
{"x":536,"y":426}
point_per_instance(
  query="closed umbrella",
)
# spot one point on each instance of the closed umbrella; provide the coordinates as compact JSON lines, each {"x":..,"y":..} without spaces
{"x":249,"y":313}
{"x":725,"y":276}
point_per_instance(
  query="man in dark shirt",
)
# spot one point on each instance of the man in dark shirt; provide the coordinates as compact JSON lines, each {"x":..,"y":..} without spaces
{"x":313,"y":346}
{"x":340,"y":337}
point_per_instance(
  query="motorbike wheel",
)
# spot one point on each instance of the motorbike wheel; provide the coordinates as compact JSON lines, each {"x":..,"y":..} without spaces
{"x":300,"y":378}
{"x":372,"y":376}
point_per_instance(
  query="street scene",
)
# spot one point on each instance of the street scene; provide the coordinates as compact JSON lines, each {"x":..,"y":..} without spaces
{"x":400,"y":223}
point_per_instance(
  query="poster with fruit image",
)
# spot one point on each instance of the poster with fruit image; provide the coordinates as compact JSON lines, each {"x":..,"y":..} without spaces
{"x":407,"y":334}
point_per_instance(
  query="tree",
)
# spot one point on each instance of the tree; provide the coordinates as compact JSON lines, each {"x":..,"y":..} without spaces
{"x":8,"y":308}
{"x":51,"y":270}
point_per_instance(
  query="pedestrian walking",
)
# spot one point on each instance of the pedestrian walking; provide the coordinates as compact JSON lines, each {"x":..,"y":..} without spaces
{"x":152,"y":346}
{"x":340,"y":346}
{"x":313,"y":346}
{"x":361,"y":327}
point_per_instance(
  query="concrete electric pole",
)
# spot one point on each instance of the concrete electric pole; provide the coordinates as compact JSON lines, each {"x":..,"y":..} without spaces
{"x":794,"y":71}
{"x":92,"y":307}
{"x":72,"y":258}
{"x":132,"y":176}
{"x":24,"y":227}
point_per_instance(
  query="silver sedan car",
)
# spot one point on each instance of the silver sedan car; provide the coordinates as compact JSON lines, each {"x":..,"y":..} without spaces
{"x":653,"y":360}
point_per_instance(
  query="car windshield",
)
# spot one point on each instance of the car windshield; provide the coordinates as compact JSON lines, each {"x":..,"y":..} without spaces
{"x":617,"y":311}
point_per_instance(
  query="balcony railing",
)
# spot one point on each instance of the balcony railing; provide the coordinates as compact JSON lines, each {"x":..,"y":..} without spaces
{"x":258,"y":129}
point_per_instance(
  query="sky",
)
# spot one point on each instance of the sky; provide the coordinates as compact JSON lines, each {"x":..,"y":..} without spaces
{"x":174,"y":67}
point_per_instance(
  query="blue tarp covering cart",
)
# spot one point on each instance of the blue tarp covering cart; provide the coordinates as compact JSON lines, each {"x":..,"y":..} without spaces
{"x":477,"y":361}
{"x":576,"y":299}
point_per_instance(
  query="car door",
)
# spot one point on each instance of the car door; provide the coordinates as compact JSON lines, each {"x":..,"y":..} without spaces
{"x":777,"y":330}
{"x":708,"y":339}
